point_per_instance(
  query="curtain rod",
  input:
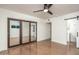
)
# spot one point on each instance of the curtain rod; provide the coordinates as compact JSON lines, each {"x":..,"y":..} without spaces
{"x":72,"y":18}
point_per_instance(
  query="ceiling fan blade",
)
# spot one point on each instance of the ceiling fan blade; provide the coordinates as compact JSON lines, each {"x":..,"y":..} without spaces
{"x":38,"y":11}
{"x":45,"y":6}
{"x":50,"y":12}
{"x":49,"y":6}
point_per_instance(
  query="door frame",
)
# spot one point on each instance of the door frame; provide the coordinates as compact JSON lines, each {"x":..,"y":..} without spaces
{"x":9,"y":19}
{"x":20,"y":20}
{"x":71,"y":18}
{"x":30,"y":31}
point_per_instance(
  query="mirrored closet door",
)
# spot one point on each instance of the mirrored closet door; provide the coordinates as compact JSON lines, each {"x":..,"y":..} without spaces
{"x":25,"y":32}
{"x":14,"y":33}
{"x":33,"y":31}
{"x":21,"y":32}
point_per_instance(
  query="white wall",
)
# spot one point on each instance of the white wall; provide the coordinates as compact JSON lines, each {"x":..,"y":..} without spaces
{"x":59,"y":28}
{"x":4,"y":14}
{"x":42,"y":29}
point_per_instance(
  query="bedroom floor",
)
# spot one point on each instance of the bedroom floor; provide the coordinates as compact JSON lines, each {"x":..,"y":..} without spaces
{"x":45,"y":47}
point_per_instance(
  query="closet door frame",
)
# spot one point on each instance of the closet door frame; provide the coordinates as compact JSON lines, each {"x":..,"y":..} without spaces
{"x":12,"y":19}
{"x":20,"y":35}
{"x":22,"y":30}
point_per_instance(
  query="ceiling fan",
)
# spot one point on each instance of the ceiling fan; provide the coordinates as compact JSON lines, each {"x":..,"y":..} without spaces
{"x":46,"y":9}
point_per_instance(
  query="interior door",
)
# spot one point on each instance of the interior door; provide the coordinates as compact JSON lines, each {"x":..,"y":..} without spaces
{"x":25,"y":32}
{"x":33,"y":31}
{"x":14,"y":34}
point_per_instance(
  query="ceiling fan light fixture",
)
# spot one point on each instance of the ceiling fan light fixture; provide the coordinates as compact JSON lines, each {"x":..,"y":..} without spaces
{"x":45,"y":10}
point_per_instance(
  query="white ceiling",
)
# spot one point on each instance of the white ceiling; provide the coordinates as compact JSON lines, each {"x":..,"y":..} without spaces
{"x":57,"y":9}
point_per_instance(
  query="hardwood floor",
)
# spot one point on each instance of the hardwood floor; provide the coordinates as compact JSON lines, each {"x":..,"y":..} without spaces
{"x":42,"y":48}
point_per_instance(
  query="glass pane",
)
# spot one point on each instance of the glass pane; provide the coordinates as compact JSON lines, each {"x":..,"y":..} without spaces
{"x":14,"y":32}
{"x":25,"y":32}
{"x":33,"y":31}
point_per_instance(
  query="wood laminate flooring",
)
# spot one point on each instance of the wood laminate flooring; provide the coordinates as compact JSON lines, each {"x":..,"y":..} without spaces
{"x":45,"y":47}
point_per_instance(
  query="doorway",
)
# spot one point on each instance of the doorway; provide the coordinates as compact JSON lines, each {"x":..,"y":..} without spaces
{"x":21,"y":32}
{"x":49,"y":30}
{"x":72,"y":31}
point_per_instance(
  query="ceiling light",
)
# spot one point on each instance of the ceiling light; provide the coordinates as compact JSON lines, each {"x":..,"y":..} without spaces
{"x":45,"y":10}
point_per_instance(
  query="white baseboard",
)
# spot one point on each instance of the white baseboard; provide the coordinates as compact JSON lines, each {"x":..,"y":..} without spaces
{"x":63,"y":43}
